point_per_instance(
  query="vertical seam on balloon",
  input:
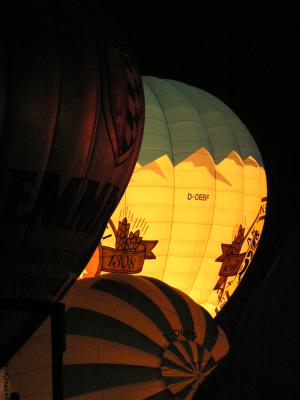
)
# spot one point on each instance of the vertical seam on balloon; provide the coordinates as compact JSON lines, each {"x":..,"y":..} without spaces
{"x":224,"y":109}
{"x":235,"y":136}
{"x":170,"y":137}
{"x":27,"y":228}
{"x":180,"y":87}
{"x":213,"y":157}
{"x":244,"y":195}
{"x":54,"y":132}
{"x":96,"y":117}
{"x":216,"y":193}
{"x":130,"y":167}
{"x":55,"y":127}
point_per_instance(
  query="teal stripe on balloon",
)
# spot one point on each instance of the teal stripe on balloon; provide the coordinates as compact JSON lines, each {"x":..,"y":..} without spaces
{"x":188,"y":349}
{"x":92,"y":324}
{"x":163,"y":395}
{"x":137,"y":299}
{"x":180,"y":305}
{"x":200,"y":350}
{"x":210,"y":363}
{"x":166,"y":363}
{"x":173,"y":349}
{"x":80,"y":379}
{"x":211,"y":331}
{"x":182,"y":394}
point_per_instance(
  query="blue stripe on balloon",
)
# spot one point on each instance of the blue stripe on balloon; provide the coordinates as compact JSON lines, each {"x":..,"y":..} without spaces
{"x":80,"y":379}
{"x":90,"y":323}
{"x":135,"y":298}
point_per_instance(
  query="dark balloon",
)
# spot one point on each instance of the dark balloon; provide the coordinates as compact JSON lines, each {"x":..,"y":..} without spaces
{"x":71,"y":123}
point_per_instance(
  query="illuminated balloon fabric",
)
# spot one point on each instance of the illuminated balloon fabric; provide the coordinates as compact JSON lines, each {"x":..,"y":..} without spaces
{"x":127,"y":337}
{"x":199,"y":189}
{"x":71,"y":121}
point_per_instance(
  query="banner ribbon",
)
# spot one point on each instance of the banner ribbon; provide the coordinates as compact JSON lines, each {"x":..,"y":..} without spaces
{"x":114,"y":260}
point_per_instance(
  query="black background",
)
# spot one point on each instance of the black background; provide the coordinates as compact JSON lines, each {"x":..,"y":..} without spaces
{"x":247,"y":57}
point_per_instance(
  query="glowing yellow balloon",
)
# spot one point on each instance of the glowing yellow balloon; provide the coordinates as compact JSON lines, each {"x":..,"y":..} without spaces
{"x":193,"y":212}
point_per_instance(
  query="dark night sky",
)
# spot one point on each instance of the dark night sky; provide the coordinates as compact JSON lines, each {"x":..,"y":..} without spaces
{"x":246,"y":57}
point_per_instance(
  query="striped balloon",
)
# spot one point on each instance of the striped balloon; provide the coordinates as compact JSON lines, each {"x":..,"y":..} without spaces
{"x":129,"y":337}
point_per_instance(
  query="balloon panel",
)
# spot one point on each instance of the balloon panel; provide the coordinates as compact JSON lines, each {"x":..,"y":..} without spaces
{"x":198,"y":190}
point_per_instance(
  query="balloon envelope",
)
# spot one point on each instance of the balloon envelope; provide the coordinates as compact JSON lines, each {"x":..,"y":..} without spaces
{"x":72,"y":115}
{"x":193,"y":212}
{"x":127,"y":337}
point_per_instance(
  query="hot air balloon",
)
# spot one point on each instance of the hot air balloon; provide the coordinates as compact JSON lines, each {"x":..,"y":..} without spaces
{"x":72,"y":115}
{"x":193,"y":212}
{"x":127,"y":337}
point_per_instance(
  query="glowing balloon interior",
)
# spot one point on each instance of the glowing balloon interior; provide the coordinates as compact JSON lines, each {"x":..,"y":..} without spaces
{"x":193,"y":212}
{"x":127,"y":337}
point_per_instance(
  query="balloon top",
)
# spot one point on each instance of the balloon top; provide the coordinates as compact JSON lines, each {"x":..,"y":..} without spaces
{"x":194,"y":119}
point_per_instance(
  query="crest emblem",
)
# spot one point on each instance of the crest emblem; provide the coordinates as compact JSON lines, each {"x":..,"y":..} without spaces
{"x":234,"y":262}
{"x":130,"y":250}
{"x":123,"y":102}
{"x":126,"y":251}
